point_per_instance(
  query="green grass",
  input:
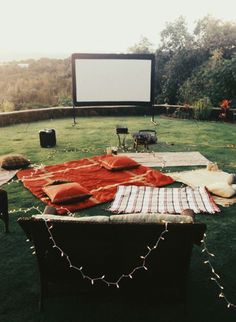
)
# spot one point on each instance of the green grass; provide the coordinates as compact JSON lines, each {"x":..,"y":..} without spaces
{"x":19,"y":276}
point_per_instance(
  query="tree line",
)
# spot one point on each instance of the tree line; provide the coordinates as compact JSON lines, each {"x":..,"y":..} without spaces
{"x":194,"y":66}
{"x":35,"y":84}
{"x":191,"y":66}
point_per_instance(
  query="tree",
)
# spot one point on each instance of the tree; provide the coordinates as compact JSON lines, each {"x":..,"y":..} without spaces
{"x":144,"y":46}
{"x":177,"y":57}
{"x":189,"y":70}
{"x":176,"y":36}
{"x":215,"y":79}
{"x":214,"y":34}
{"x":41,"y":84}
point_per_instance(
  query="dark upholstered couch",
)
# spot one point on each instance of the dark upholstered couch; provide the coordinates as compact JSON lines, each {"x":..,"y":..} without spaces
{"x":106,"y":249}
{"x":4,"y":209}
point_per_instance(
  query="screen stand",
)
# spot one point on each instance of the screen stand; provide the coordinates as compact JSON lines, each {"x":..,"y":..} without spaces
{"x":153,"y":116}
{"x":74,"y":116}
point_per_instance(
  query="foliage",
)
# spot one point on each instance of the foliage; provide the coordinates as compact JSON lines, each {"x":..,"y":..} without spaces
{"x":213,"y":34}
{"x":65,"y":100}
{"x":202,"y":109}
{"x":175,"y":36}
{"x":182,"y":56}
{"x":7,"y":106}
{"x":215,"y":79}
{"x":144,"y":46}
{"x":177,"y":70}
{"x":39,"y":84}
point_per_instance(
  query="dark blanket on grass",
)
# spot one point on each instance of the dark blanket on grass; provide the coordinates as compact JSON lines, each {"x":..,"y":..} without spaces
{"x":100,"y":182}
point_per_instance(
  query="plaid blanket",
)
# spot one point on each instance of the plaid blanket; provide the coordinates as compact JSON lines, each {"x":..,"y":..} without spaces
{"x":134,"y":199}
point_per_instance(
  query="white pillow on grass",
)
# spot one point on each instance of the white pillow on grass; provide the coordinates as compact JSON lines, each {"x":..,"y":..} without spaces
{"x":221,"y":189}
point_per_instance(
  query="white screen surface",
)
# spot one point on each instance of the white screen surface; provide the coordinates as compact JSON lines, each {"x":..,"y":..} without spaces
{"x":113,"y":80}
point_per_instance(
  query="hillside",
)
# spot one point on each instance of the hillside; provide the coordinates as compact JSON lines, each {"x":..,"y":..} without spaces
{"x":35,"y":83}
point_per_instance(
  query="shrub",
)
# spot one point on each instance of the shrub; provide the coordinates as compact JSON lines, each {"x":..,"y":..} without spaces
{"x":202,"y":109}
{"x":65,"y":101}
{"x":7,"y":106}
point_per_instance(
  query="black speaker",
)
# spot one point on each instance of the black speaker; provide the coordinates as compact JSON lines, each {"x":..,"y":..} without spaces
{"x":47,"y":138}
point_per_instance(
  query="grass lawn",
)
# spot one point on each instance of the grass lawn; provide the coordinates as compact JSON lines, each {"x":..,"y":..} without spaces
{"x":19,"y":276}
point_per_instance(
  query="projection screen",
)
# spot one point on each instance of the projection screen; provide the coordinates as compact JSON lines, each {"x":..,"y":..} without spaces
{"x":113,"y":79}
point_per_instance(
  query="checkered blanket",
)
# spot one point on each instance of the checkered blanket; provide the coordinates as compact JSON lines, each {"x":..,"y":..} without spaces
{"x":134,"y":199}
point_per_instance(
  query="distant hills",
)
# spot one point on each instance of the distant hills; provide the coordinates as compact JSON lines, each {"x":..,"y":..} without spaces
{"x":6,"y":57}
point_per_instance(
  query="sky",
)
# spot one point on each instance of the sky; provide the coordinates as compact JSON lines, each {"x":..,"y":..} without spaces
{"x":58,"y":28}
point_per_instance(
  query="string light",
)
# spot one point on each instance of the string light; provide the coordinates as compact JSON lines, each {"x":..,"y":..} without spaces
{"x":26,"y":210}
{"x":92,"y":280}
{"x":215,"y":276}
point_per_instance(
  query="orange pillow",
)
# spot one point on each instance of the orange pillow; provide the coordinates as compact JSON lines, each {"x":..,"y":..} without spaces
{"x":118,"y":162}
{"x":66,"y":192}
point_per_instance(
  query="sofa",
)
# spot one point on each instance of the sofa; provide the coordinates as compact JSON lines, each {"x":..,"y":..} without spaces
{"x":4,"y":209}
{"x":125,"y":254}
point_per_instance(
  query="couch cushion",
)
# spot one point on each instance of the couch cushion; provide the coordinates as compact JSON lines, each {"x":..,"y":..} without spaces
{"x":152,"y":218}
{"x":96,"y":219}
{"x":130,"y":218}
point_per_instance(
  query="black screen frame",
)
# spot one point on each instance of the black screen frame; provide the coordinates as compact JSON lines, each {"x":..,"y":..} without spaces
{"x":76,"y":56}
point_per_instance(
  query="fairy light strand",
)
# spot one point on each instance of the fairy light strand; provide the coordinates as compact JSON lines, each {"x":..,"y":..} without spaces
{"x":26,"y":210}
{"x":39,"y":212}
{"x":215,"y":277}
{"x":92,"y":280}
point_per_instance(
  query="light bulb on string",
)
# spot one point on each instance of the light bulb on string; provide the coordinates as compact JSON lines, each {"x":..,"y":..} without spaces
{"x":215,"y":276}
{"x":102,"y":278}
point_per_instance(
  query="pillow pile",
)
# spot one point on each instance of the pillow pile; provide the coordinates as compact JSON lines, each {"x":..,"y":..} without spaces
{"x":66,"y":192}
{"x":13,"y":161}
{"x":118,"y":162}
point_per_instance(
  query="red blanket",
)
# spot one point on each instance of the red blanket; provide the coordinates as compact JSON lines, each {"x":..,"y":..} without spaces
{"x":101,"y":183}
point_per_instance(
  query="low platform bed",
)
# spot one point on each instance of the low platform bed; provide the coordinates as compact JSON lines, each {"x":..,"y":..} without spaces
{"x":95,"y":254}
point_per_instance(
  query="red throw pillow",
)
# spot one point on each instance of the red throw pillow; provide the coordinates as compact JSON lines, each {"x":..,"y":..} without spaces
{"x":118,"y":162}
{"x":66,"y":192}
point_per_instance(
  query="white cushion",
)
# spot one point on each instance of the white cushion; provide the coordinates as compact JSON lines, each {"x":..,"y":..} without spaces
{"x":221,"y":189}
{"x":71,"y":218}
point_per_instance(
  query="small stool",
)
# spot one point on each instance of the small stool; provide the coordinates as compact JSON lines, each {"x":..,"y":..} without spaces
{"x":47,"y":138}
{"x":121,"y":131}
{"x":4,"y":209}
